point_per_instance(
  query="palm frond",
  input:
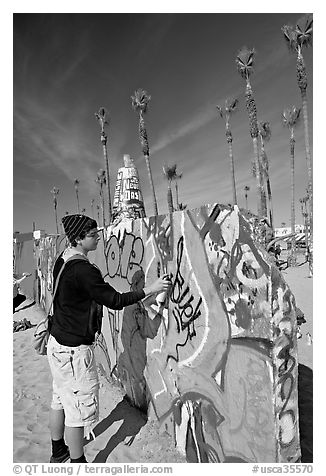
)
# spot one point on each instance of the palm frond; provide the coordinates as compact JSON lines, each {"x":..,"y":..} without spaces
{"x":291,"y":116}
{"x":265,"y":130}
{"x":140,"y":100}
{"x":220,"y":110}
{"x":303,"y":30}
{"x":245,"y":61}
{"x":101,"y":177}
{"x":101,"y":116}
{"x":231,"y":105}
{"x":169,"y":171}
{"x":290,"y":36}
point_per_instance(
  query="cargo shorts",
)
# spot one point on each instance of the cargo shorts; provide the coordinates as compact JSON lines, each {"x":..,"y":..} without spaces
{"x":75,"y":383}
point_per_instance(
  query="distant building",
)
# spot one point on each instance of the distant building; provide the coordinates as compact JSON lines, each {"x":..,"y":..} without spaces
{"x":286,"y":230}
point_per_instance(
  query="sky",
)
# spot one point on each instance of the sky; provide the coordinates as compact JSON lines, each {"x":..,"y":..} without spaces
{"x":67,"y":66}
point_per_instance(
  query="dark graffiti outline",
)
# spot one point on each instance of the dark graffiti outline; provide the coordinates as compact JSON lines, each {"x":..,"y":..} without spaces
{"x":124,"y":257}
{"x":183,"y":301}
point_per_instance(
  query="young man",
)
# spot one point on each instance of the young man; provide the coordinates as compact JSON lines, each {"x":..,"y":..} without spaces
{"x":81,"y":290}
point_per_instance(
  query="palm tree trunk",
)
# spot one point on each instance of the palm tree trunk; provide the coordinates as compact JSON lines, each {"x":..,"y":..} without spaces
{"x":293,"y":253}
{"x":105,"y":153}
{"x":308,"y":158}
{"x":232,"y":170}
{"x":259,"y":185}
{"x":78,"y":208}
{"x":102,"y":202}
{"x":177,"y":193}
{"x":56,"y":218}
{"x":263,"y":196}
{"x":270,"y":203}
{"x":149,"y":171}
{"x":170,"y":198}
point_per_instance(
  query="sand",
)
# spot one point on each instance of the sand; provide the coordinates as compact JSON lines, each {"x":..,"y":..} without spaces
{"x":123,"y":435}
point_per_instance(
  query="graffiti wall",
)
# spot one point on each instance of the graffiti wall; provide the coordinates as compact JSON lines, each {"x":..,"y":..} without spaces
{"x":216,"y":362}
{"x":46,"y":251}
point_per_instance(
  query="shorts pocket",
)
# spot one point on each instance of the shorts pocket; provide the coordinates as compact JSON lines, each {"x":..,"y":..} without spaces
{"x":88,"y":357}
{"x":62,"y":360}
{"x":88,"y":407}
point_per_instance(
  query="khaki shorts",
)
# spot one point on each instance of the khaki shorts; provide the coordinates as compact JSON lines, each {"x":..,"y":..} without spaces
{"x":75,"y":382}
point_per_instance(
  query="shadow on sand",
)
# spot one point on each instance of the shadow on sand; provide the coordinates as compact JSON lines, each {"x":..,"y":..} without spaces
{"x":22,"y":308}
{"x":133,"y":421}
{"x":305,"y":391}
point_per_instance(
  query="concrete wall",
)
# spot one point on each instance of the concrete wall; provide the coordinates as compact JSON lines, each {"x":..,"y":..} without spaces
{"x":218,"y":366}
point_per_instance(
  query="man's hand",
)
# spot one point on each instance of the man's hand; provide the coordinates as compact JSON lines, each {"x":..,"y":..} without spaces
{"x":161,"y":284}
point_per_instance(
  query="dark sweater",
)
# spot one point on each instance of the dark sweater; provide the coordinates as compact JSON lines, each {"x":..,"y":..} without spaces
{"x":81,"y":286}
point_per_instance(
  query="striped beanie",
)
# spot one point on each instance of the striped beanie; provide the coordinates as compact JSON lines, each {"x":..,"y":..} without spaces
{"x":74,"y":225}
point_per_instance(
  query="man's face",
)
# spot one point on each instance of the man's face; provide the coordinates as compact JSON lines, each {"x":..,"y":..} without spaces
{"x":91,"y":240}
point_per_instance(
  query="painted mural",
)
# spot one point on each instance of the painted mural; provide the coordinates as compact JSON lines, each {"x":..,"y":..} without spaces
{"x":216,"y":360}
{"x":46,"y":251}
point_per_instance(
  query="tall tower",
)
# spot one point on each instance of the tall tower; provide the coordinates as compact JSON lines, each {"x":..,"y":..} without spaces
{"x":128,"y":200}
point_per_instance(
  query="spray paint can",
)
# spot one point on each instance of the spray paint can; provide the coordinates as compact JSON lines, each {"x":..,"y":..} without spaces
{"x":161,"y":297}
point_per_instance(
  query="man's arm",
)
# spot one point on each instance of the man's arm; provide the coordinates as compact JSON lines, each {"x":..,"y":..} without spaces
{"x":90,"y":279}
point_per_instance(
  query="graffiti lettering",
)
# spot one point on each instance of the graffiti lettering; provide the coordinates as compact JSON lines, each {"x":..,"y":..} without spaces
{"x":286,"y":382}
{"x":124,"y":258}
{"x":185,"y":312}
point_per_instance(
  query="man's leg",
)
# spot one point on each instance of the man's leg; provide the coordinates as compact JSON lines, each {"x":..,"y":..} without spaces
{"x":75,"y":439}
{"x":57,"y":426}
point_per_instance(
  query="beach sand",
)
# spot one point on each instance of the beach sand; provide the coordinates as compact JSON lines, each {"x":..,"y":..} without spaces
{"x":123,"y":435}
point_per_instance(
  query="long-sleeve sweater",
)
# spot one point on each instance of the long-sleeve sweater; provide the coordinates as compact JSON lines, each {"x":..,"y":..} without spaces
{"x":80,"y":286}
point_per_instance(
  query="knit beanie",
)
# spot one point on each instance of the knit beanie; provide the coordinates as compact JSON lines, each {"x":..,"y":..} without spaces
{"x":74,"y":225}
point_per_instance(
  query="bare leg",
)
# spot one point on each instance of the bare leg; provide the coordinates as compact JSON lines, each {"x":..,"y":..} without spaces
{"x":57,"y":424}
{"x":75,"y":439}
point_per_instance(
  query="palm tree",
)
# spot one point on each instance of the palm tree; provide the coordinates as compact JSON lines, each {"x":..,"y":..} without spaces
{"x":225,"y":113}
{"x":264,"y":130}
{"x":92,"y":206}
{"x":55,"y":193}
{"x":76,"y":183}
{"x":169,"y":173}
{"x":298,"y":38}
{"x":303,"y":201}
{"x":176,"y":178}
{"x":98,"y":213}
{"x":101,"y":180}
{"x":100,"y":116}
{"x":140,"y":102}
{"x":246,"y":189}
{"x":245,"y":63}
{"x":291,"y":117}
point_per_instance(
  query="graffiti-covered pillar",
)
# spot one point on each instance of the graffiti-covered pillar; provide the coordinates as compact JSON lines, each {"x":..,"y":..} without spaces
{"x":128,"y":200}
{"x":217,"y":362}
